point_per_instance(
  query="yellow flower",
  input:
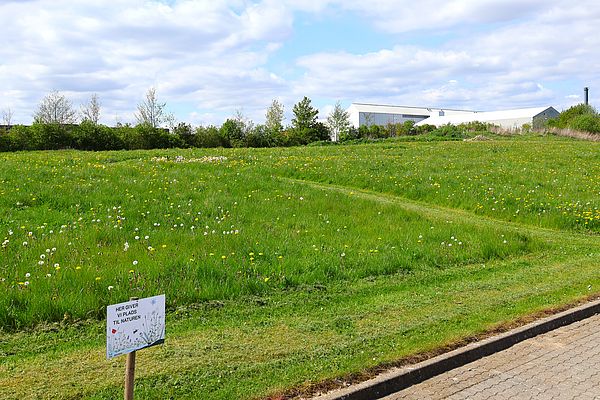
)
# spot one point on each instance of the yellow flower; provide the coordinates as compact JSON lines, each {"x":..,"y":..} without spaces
{"x":98,"y":278}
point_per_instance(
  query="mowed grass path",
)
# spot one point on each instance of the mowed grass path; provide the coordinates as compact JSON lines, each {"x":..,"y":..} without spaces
{"x":355,"y":275}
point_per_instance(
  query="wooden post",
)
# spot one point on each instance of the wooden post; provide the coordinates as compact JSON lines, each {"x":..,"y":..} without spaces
{"x":129,"y":375}
{"x":130,"y":371}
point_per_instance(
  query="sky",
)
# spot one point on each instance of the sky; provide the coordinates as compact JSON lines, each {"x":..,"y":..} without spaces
{"x":211,"y":59}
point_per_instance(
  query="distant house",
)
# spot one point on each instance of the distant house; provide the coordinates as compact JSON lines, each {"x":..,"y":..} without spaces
{"x":375,"y":114}
{"x":507,"y":119}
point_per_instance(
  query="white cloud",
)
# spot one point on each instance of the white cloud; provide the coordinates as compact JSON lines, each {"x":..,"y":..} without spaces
{"x":510,"y":66}
{"x":188,"y":50}
{"x":208,"y":58}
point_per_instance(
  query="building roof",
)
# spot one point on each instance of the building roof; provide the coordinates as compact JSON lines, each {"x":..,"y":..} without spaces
{"x":485,"y":116}
{"x":389,"y":109}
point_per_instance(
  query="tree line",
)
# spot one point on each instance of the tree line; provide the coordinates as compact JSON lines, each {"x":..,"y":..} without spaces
{"x":57,"y":125}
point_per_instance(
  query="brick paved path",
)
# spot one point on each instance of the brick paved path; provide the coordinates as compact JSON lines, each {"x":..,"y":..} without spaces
{"x":562,"y":364}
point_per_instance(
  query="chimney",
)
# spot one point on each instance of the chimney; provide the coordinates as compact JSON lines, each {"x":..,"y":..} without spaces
{"x":586,"y":92}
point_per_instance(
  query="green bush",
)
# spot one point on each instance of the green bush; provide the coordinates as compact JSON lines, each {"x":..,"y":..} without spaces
{"x":449,"y":131}
{"x":51,"y":136}
{"x":185,"y":134}
{"x":574,"y":115}
{"x":91,"y":136}
{"x":586,"y":123}
{"x":209,"y":136}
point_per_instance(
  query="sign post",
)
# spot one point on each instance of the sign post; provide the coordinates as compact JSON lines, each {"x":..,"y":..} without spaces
{"x":131,"y":326}
{"x":129,"y":375}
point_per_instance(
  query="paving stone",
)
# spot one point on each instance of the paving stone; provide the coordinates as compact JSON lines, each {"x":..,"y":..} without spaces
{"x":562,"y":364}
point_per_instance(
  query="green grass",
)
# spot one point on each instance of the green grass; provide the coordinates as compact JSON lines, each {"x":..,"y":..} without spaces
{"x":283,"y":266}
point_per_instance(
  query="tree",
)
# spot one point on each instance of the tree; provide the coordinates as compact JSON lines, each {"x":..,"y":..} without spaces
{"x":274,"y":116}
{"x":185,"y":133}
{"x":151,"y":111}
{"x":91,"y":110}
{"x":305,"y":116}
{"x":338,"y":122}
{"x":7,"y":116}
{"x":55,"y":108}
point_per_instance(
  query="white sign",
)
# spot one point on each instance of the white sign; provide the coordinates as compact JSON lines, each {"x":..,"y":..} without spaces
{"x":135,"y":325}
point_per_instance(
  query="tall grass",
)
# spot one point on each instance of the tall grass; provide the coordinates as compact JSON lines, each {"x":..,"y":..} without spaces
{"x":82,"y":230}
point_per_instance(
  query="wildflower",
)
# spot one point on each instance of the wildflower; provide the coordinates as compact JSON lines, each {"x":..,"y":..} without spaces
{"x":146,"y":237}
{"x":137,"y":237}
{"x":98,"y":278}
{"x":110,"y":288}
{"x":48,"y":275}
{"x":41,"y":262}
{"x":42,"y":256}
{"x":223,"y":257}
{"x":135,"y":262}
{"x":27,"y":275}
{"x":26,"y":283}
{"x":25,"y":243}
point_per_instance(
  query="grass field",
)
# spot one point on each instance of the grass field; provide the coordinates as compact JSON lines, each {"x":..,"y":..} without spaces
{"x":283,"y":267}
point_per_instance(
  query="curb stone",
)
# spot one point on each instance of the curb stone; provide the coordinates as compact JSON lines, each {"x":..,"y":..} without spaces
{"x":401,"y":378}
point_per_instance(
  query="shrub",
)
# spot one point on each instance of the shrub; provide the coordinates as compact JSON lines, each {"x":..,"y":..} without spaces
{"x":91,"y":136}
{"x":424,"y":129}
{"x":567,"y":117}
{"x":449,"y":131}
{"x":129,"y":137}
{"x":260,"y":136}
{"x":351,"y":134}
{"x":209,"y":137}
{"x":586,"y":123}
{"x":185,"y":134}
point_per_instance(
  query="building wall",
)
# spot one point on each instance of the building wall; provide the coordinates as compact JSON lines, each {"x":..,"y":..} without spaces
{"x":540,"y":120}
{"x":366,"y":118}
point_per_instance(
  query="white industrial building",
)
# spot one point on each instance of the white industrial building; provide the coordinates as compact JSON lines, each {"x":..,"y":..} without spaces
{"x":375,"y":114}
{"x":507,"y":119}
